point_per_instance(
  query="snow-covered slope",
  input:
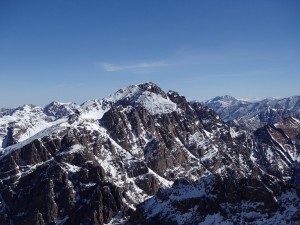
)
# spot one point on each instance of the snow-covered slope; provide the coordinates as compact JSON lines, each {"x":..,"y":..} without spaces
{"x":22,"y":123}
{"x":17,"y":125}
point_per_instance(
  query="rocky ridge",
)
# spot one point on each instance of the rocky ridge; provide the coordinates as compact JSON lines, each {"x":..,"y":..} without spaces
{"x":253,"y":115}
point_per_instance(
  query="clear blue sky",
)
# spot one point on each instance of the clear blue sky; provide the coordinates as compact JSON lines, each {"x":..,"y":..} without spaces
{"x":74,"y":50}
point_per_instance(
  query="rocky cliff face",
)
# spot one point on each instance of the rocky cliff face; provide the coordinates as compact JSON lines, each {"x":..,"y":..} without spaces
{"x":270,"y":196}
{"x":221,"y":200}
{"x":279,"y":147}
{"x":94,"y":163}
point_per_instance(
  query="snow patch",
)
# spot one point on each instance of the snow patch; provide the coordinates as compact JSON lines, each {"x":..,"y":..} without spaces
{"x":73,"y":149}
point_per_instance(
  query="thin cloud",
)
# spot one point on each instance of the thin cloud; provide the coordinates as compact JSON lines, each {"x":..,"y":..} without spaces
{"x":109,"y":67}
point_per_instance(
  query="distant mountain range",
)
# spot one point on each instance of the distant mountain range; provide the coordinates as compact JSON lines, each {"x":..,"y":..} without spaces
{"x":252,"y":115}
{"x":145,"y":156}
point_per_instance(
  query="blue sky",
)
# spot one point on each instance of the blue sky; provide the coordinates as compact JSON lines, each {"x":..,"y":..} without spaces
{"x":74,"y":50}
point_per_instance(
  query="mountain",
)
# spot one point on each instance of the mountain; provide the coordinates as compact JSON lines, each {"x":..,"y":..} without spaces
{"x":17,"y":125}
{"x":144,"y":156}
{"x":253,"y":115}
{"x":56,"y":110}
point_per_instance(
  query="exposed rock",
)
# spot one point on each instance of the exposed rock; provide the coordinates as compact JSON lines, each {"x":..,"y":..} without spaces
{"x":214,"y":199}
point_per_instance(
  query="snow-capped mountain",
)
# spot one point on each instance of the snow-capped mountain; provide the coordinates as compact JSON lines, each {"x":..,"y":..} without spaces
{"x":95,"y":163}
{"x":56,"y":110}
{"x":252,"y":115}
{"x":17,"y":125}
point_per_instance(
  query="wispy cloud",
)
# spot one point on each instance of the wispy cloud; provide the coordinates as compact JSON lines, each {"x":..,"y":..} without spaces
{"x":227,"y":59}
{"x":109,"y":67}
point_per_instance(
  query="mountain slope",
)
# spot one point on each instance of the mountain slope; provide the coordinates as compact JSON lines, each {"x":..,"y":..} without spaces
{"x":16,"y":125}
{"x":279,"y":145}
{"x":270,"y":198}
{"x":219,"y":200}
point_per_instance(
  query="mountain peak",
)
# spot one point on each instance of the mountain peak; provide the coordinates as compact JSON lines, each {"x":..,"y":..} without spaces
{"x":147,"y":95}
{"x":147,"y":85}
{"x":225,"y":97}
{"x":152,"y":87}
{"x":223,"y":101}
{"x":133,"y":90}
{"x":57,"y":103}
{"x":26,"y":107}
{"x":60,"y":109}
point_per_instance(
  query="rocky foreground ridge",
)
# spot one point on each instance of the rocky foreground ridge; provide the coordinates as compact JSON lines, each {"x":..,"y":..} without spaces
{"x":143,"y":156}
